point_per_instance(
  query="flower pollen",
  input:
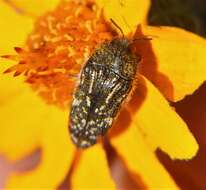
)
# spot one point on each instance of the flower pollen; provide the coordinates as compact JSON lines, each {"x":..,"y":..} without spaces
{"x":61,"y":42}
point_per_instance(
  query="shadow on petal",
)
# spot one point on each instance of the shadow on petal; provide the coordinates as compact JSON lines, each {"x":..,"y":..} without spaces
{"x":124,"y":178}
{"x":191,"y":175}
{"x":174,"y":60}
{"x":149,"y":65}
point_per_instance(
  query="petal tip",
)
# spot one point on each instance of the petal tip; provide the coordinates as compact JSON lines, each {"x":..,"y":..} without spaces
{"x":189,"y":153}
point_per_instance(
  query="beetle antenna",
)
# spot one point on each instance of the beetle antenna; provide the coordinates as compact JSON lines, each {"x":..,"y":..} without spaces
{"x":142,"y":39}
{"x":145,"y":38}
{"x":117,"y":26}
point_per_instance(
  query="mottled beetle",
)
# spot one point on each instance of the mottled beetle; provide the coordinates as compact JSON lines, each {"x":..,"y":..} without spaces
{"x":105,"y":81}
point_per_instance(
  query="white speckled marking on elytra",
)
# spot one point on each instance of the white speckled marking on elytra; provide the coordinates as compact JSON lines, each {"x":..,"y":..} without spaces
{"x":88,"y":101}
{"x":102,"y":107}
{"x":82,"y":78}
{"x":74,"y":138}
{"x":109,"y":120}
{"x":91,"y":122}
{"x":100,"y":125}
{"x":92,"y":82}
{"x":93,"y":137}
{"x":86,"y":69}
{"x":113,"y":91}
{"x":76,"y":102}
{"x":84,"y":110}
{"x":84,"y":143}
{"x":83,"y":121}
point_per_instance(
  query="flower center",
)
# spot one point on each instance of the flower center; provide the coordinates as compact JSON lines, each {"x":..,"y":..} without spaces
{"x":61,"y":42}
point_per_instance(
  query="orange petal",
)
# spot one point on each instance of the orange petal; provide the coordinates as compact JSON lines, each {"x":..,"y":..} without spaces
{"x":92,"y":171}
{"x":160,"y":124}
{"x":174,"y":61}
{"x":141,"y":160}
{"x":127,"y":14}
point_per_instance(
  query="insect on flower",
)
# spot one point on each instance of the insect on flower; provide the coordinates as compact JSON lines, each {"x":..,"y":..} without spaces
{"x":105,"y":81}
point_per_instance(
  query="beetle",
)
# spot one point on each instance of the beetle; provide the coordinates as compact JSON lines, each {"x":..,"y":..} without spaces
{"x":105,"y":81}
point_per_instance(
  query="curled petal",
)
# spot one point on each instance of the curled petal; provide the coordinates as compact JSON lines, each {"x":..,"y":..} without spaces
{"x":174,"y":60}
{"x":92,"y":170}
{"x":141,"y":160}
{"x":160,"y":124}
{"x":127,"y":14}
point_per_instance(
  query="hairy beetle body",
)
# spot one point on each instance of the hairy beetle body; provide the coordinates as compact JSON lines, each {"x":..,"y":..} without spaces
{"x":106,"y":80}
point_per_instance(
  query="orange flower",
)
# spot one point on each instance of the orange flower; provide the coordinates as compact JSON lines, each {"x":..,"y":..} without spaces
{"x":172,"y":66}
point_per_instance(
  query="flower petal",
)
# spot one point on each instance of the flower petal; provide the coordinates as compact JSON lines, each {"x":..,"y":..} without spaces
{"x":33,"y":7}
{"x":28,"y":123}
{"x":20,"y":122}
{"x":92,"y":170}
{"x":140,"y":160}
{"x":10,"y":20}
{"x":31,"y":124}
{"x":127,"y":14}
{"x":160,"y":124}
{"x":175,"y":60}
{"x":8,"y":86}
